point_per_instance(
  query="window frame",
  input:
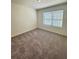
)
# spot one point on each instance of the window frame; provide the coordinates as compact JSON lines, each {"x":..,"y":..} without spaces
{"x":52,"y":20}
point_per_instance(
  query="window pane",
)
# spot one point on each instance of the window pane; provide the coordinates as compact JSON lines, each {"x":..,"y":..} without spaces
{"x":57,"y":23}
{"x":47,"y":18}
{"x":58,"y":14}
{"x":57,"y":18}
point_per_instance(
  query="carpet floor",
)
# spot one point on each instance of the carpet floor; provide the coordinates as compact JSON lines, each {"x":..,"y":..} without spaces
{"x":39,"y":44}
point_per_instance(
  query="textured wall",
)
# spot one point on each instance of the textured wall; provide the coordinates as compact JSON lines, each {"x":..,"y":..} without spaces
{"x":23,"y":19}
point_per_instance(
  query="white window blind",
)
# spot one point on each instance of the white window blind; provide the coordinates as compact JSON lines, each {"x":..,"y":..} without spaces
{"x":54,"y":18}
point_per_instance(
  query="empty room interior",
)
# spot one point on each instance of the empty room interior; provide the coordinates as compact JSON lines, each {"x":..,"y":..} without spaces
{"x":38,"y":29}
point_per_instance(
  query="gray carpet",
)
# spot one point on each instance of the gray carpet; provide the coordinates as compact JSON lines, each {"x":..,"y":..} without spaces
{"x":39,"y":44}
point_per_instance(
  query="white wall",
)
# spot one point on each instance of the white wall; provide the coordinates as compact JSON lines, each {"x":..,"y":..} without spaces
{"x":63,"y":30}
{"x":23,"y":19}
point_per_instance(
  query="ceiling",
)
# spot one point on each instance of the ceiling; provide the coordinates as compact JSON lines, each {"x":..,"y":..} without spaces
{"x":37,"y":5}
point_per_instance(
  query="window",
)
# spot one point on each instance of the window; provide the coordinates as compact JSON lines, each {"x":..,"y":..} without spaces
{"x":54,"y":18}
{"x":47,"y":18}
